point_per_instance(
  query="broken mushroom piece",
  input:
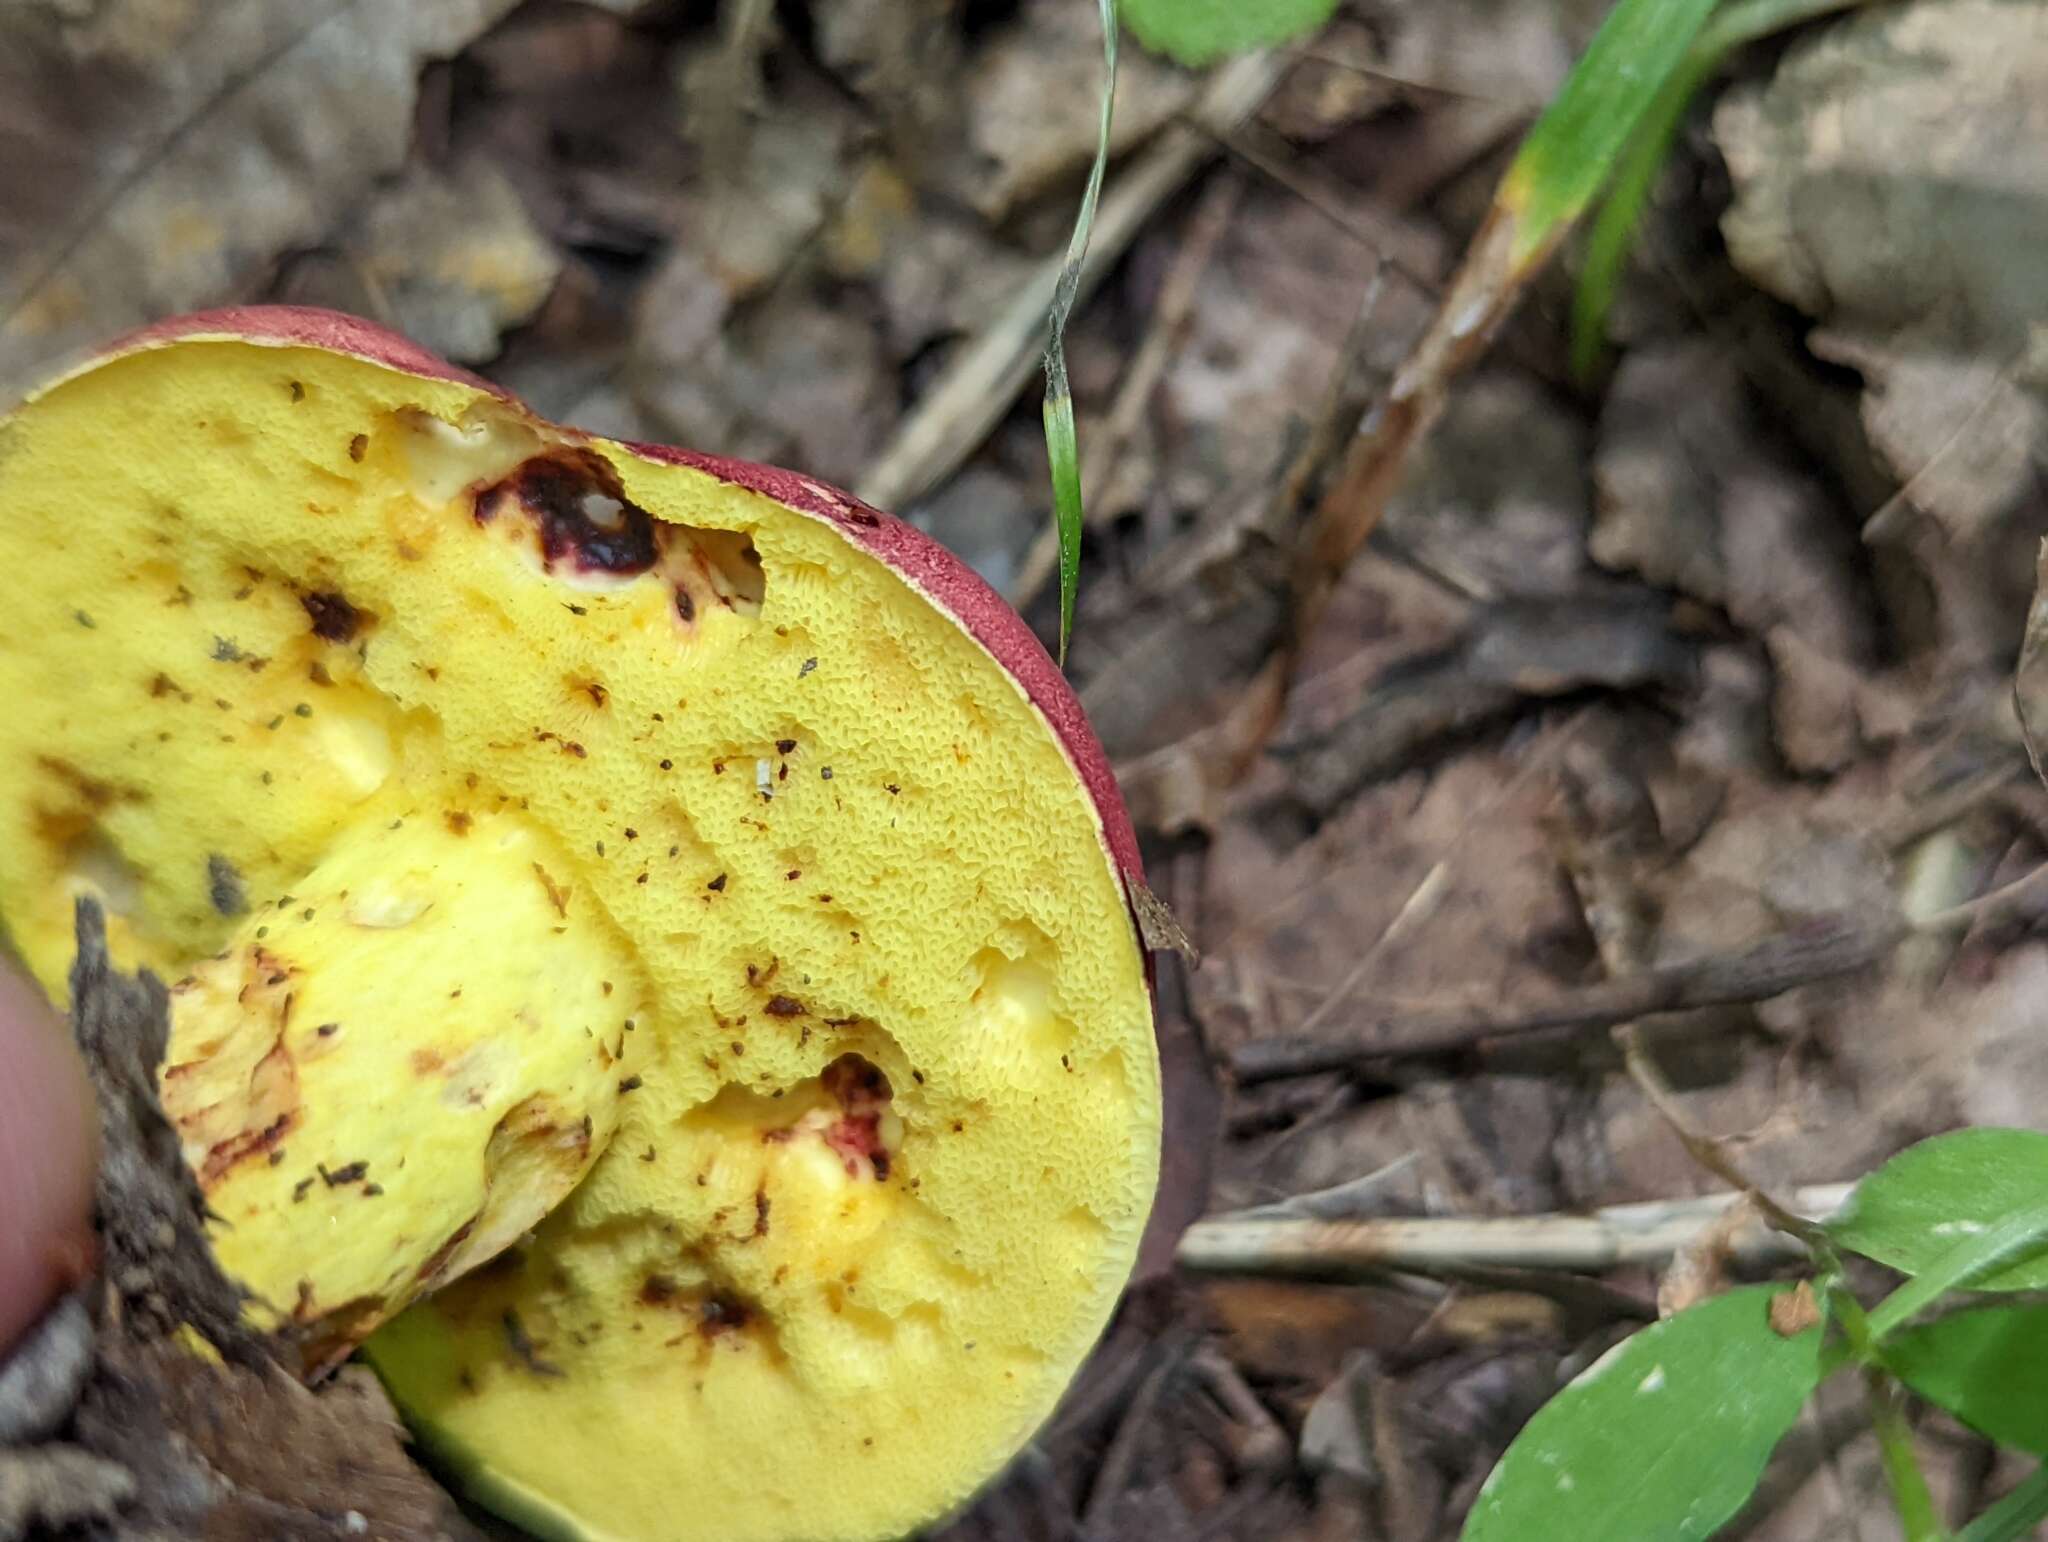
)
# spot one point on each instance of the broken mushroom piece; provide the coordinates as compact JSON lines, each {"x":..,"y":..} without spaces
{"x":511,"y":803}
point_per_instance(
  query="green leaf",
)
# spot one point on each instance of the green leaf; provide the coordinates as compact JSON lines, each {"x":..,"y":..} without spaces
{"x":1988,"y":1367}
{"x":1574,"y":146}
{"x":1665,"y":1437}
{"x":2015,"y":1517}
{"x":1198,"y":32}
{"x":1062,"y":449}
{"x":1935,"y":1207}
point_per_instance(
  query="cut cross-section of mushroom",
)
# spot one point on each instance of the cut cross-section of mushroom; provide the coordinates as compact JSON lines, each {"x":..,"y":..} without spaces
{"x":713,"y":901}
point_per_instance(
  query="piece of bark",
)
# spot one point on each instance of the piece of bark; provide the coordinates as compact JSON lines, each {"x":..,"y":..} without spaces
{"x":151,"y":1213}
{"x":160,"y":1441}
{"x":41,"y":1379}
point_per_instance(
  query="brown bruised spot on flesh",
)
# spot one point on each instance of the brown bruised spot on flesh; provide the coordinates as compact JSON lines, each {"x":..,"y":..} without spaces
{"x":558,"y":894}
{"x":334,"y":619}
{"x":722,"y":1312}
{"x":523,"y":1348}
{"x":91,"y":791}
{"x":580,"y":510}
{"x":716,"y":1312}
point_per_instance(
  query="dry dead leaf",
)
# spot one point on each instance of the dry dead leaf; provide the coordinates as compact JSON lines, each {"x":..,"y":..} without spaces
{"x":903,"y":59}
{"x":1795,"y":1310}
{"x":1159,"y":927}
{"x":52,"y":1488}
{"x":1878,"y":187}
{"x":154,"y":158}
{"x":1692,"y":494}
{"x":804,"y":382}
{"x":1497,"y":500}
{"x":455,"y":259}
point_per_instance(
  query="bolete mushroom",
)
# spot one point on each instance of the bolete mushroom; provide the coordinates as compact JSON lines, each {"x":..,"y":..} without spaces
{"x":667,"y":910}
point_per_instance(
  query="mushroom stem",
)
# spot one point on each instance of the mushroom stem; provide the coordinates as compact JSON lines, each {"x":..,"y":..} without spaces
{"x":371,"y":1110}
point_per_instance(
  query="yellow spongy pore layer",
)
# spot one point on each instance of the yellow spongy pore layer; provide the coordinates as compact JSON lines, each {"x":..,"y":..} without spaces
{"x":247,"y":604}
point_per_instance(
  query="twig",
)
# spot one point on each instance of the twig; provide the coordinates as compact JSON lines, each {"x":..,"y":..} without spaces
{"x":980,"y":384}
{"x":1703,"y":1148}
{"x":1822,"y":950}
{"x":1616,"y":1237}
{"x":1122,"y":1457}
{"x":1263,"y":1446}
{"x":2005,"y":903}
{"x":1402,"y":82}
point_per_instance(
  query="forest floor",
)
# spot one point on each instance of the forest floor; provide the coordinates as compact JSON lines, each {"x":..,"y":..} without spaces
{"x":1696,"y":672}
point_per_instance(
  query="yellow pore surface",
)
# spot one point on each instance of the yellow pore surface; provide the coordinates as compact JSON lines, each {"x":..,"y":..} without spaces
{"x":889,"y":1129}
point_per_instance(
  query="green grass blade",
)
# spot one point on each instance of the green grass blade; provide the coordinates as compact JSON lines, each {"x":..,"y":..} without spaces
{"x":1062,"y":452}
{"x":1745,"y":21}
{"x":1613,"y":233}
{"x":1062,"y":448}
{"x":1574,"y":146}
{"x":2015,"y":1517}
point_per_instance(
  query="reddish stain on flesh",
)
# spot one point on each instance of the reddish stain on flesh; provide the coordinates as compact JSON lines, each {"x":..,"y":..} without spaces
{"x":863,"y":1094}
{"x":430,"y":1271}
{"x":240,"y":1147}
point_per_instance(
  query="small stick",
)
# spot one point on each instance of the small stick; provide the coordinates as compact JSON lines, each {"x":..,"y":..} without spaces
{"x":1121,"y":1460}
{"x":1825,"y":949}
{"x":1822,"y":950}
{"x":1702,"y":1147}
{"x":1616,"y":1237}
{"x":1263,"y":1445}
